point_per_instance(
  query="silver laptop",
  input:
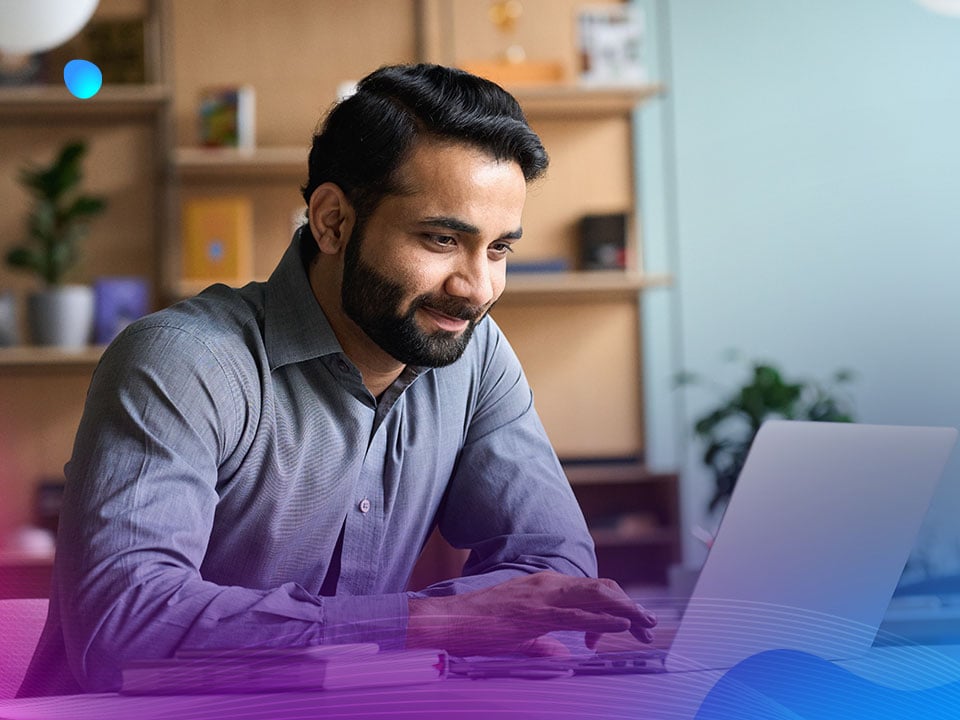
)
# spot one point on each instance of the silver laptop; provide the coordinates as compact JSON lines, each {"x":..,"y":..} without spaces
{"x":807,"y":557}
{"x":813,"y":542}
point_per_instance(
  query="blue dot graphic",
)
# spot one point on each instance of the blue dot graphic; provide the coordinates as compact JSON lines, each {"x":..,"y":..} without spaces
{"x":83,"y":78}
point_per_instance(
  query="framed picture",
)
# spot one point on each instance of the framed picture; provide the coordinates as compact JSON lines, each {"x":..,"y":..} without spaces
{"x":611,"y":44}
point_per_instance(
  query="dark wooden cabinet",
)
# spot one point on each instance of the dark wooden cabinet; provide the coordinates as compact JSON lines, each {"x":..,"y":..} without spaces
{"x":634,"y":517}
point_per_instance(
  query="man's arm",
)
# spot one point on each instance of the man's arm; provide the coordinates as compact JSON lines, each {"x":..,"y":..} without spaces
{"x":164,"y":414}
{"x":510,"y":503}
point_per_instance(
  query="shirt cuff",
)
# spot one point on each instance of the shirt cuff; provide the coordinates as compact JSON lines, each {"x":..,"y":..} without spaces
{"x":380,"y":619}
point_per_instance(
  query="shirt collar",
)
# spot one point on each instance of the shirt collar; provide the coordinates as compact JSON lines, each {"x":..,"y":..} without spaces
{"x":295,"y":327}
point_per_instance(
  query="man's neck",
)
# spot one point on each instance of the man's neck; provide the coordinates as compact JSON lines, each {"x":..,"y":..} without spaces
{"x":377,"y":368}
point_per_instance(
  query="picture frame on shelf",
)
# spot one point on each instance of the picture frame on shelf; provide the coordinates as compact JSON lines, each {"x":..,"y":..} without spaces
{"x":611,"y":44}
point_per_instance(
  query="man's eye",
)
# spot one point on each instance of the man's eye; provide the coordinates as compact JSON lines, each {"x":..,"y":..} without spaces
{"x":501,"y":248}
{"x":444,"y":240}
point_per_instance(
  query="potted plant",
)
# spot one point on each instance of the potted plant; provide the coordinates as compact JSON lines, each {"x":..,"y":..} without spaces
{"x":59,"y":314}
{"x":727,"y":430}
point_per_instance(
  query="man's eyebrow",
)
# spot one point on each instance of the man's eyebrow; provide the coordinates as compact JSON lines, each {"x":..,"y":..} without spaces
{"x":452,"y":223}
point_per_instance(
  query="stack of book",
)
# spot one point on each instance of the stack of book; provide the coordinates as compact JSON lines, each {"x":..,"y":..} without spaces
{"x":319,"y":667}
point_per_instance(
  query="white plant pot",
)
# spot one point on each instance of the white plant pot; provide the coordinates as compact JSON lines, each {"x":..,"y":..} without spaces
{"x":61,"y":316}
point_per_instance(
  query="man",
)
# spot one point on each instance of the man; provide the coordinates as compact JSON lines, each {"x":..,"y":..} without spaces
{"x":261,"y":467}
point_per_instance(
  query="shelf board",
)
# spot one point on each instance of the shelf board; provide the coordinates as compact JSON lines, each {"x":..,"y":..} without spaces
{"x":521,"y":287}
{"x":15,"y":558}
{"x":283,"y":161}
{"x":587,"y":285}
{"x":258,"y":163}
{"x":601,"y":473}
{"x":120,"y":101}
{"x":561,"y":101}
{"x":617,"y":538}
{"x":30,"y":356}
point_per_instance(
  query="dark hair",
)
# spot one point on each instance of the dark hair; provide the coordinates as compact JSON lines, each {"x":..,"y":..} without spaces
{"x":366,"y":137}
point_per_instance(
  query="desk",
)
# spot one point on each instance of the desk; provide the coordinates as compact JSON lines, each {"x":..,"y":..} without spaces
{"x":25,"y":576}
{"x":666,"y":697}
{"x":651,"y":697}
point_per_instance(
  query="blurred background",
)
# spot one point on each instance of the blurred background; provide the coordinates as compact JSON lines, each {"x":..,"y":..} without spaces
{"x":733,"y":184}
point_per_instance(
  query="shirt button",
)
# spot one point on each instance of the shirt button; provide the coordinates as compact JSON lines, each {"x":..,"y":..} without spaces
{"x":343,"y":366}
{"x":364,"y":505}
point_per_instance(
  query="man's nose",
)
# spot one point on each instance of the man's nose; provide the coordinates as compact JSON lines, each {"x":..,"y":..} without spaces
{"x":472,"y":282}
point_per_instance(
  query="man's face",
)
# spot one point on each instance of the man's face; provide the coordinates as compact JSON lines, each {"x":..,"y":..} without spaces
{"x":429,"y":262}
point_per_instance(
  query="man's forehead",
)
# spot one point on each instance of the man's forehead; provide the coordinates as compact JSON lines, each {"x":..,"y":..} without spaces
{"x":434,"y":154}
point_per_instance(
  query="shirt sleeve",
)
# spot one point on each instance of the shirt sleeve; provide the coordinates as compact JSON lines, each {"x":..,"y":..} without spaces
{"x":509,"y":501}
{"x":163,"y":413}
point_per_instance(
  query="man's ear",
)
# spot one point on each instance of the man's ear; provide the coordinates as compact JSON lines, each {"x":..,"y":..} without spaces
{"x":331,"y":218}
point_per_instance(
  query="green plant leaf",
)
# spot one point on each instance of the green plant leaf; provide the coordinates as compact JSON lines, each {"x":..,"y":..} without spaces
{"x":844,"y":376}
{"x":728,"y":430}
{"x":22,"y":258}
{"x":56,"y":223}
{"x":85,"y":205}
{"x":685,"y":377}
{"x":706,"y":424}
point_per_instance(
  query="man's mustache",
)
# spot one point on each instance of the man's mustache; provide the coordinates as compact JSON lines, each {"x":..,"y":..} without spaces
{"x":452,"y":308}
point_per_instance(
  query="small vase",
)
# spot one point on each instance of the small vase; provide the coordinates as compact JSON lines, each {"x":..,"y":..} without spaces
{"x":61,"y":316}
{"x":8,"y":319}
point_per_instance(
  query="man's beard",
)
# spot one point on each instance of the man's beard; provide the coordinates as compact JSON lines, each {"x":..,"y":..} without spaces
{"x":373,"y":302}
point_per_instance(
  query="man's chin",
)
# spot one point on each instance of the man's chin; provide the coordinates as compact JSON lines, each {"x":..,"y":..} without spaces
{"x":442,"y":348}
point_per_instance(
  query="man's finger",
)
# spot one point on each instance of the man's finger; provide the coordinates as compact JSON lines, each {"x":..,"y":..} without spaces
{"x":585,"y":620}
{"x":545,"y":646}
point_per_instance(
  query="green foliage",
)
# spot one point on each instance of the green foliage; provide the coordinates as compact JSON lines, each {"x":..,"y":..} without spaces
{"x":727,"y":430}
{"x":58,"y":217}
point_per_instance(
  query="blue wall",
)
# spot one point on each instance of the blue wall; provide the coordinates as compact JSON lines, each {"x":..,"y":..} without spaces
{"x":801,"y":178}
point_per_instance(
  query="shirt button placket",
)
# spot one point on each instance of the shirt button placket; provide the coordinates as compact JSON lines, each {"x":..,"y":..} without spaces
{"x":364,"y":506}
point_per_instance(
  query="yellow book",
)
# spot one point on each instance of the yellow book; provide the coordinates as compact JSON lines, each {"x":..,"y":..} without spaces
{"x":218,"y":239}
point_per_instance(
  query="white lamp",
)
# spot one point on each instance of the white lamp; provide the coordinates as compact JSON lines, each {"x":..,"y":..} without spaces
{"x":29,"y":26}
{"x":944,"y":7}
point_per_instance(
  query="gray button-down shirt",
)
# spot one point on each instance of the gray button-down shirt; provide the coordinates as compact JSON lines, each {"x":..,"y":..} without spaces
{"x":231,"y":472}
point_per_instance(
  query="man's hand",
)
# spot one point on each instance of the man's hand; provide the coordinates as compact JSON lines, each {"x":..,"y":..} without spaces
{"x":514,"y":616}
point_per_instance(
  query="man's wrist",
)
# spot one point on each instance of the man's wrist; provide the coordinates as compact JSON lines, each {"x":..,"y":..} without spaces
{"x":428,"y":623}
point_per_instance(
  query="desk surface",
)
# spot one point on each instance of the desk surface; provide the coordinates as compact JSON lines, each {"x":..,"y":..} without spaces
{"x":655,"y":697}
{"x":660,"y":696}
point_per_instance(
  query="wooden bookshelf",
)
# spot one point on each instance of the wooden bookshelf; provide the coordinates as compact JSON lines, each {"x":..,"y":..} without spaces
{"x":231,"y":164}
{"x":120,"y":102}
{"x":31,"y":356}
{"x":582,"y":101}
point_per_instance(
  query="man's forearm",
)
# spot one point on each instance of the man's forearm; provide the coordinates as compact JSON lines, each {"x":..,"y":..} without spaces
{"x":168,"y":613}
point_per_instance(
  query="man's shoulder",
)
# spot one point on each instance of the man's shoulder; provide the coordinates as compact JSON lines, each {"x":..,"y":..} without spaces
{"x":221,"y":320}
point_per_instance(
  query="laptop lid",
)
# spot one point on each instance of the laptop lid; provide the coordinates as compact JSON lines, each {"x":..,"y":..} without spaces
{"x":812,"y":543}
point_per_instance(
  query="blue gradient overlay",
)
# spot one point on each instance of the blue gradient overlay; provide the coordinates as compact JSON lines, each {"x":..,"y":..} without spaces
{"x":888,"y":682}
{"x":83,"y":78}
{"x":790,"y":684}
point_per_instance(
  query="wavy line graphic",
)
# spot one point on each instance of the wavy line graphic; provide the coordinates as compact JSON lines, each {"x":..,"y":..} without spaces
{"x":787,"y":684}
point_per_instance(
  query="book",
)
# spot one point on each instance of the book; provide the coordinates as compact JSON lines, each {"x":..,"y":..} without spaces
{"x":217,"y":235}
{"x":548,"y":265}
{"x":118,"y":301}
{"x":115,"y":45}
{"x":603,"y":241}
{"x":306,"y":652}
{"x":281,"y":670}
{"x":227,"y":117}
